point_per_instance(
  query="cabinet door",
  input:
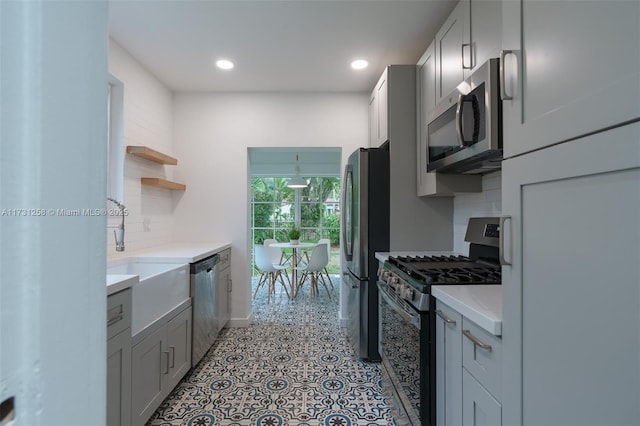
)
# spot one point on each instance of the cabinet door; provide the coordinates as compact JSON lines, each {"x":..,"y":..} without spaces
{"x":452,"y":42}
{"x":479,"y":407}
{"x":383,"y":110}
{"x":448,"y":366}
{"x":378,"y":112}
{"x":568,"y":79}
{"x":149,"y":365}
{"x":373,"y":119}
{"x":426,"y":87}
{"x":223,"y":287}
{"x":119,"y":379}
{"x":179,"y":348}
{"x":571,"y":298}
{"x":486,"y":32}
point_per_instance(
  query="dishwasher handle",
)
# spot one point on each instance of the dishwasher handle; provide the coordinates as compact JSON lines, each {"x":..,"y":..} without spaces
{"x":205,"y":265}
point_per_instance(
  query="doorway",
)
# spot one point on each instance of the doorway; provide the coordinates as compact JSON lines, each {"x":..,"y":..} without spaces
{"x":315,"y":209}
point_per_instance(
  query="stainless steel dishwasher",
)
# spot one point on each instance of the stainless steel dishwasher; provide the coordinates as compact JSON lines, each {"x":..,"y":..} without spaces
{"x":203,"y":295}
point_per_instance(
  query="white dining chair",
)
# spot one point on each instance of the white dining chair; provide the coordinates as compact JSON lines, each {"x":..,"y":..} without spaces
{"x":278,"y":257}
{"x":269,"y":272}
{"x":313,"y":270}
{"x":324,"y":270}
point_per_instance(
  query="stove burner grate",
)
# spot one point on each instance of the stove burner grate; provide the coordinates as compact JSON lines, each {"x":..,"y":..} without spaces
{"x":447,"y":269}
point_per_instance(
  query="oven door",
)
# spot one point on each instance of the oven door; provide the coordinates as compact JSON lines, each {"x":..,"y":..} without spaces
{"x":402,"y":343}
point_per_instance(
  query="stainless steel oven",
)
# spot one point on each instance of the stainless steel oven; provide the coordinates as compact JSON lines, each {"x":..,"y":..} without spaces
{"x":464,"y":132}
{"x":407,"y":316}
{"x":404,"y":336}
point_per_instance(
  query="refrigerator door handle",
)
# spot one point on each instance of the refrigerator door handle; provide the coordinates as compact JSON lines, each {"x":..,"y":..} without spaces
{"x":347,"y":219}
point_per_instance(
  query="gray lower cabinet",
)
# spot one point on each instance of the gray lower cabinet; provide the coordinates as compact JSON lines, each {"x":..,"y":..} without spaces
{"x":479,"y":407}
{"x":481,"y":376}
{"x":159,"y":361}
{"x":571,"y":282}
{"x":468,"y":371}
{"x":119,"y":358}
{"x":223,"y":289}
{"x":448,"y":366}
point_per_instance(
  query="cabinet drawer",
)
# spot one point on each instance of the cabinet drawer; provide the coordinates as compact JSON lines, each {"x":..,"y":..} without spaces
{"x":482,"y":356}
{"x":118,"y":312}
{"x":224,"y":259}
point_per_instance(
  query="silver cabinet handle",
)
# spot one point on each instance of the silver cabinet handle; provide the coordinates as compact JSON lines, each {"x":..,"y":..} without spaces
{"x":503,"y":92}
{"x":476,"y":341}
{"x":172,"y":356}
{"x":503,"y":260}
{"x":166,"y":354}
{"x":114,"y":320}
{"x":444,"y":317}
{"x":464,"y":67}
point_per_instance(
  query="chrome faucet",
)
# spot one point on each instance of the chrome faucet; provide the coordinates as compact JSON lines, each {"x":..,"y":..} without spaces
{"x":119,"y":233}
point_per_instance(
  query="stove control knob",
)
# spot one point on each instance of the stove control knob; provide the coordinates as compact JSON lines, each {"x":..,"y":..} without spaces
{"x":407,"y":293}
{"x":384,"y":275}
{"x":393,"y":281}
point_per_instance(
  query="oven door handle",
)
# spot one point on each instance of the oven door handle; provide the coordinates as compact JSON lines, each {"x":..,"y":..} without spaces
{"x":412,"y":319}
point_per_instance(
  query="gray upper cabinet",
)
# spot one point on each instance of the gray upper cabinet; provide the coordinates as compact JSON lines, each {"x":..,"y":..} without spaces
{"x":378,"y":112}
{"x":452,"y":42}
{"x":572,"y":68}
{"x":486,"y":33}
{"x":468,"y":38}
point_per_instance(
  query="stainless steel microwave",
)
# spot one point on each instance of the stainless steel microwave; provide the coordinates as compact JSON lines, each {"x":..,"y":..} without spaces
{"x":464,"y":131}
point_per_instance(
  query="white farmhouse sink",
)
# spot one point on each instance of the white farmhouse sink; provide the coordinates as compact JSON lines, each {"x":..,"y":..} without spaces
{"x":161,"y":288}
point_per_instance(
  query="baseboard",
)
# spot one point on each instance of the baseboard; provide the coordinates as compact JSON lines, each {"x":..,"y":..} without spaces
{"x":240,"y":322}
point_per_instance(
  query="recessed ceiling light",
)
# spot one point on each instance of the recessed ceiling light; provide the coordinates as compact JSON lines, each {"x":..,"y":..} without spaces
{"x":224,"y":64}
{"x":359,"y":64}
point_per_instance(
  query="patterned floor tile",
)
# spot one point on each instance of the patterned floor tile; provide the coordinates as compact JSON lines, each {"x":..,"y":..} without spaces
{"x":293,"y":366}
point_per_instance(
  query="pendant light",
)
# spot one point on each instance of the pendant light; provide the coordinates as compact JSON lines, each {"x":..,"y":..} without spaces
{"x":297,"y":181}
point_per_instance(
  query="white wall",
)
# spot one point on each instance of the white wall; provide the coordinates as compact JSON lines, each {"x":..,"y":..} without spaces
{"x":212,"y":133}
{"x":485,"y":203}
{"x":148,"y":121}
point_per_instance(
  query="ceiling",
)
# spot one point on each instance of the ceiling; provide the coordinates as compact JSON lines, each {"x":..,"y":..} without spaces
{"x":277,"y":46}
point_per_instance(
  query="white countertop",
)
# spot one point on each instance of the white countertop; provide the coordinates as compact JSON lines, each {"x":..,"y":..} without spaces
{"x":482,"y":304}
{"x":179,"y":252}
{"x":382,"y":256}
{"x":116,"y":283}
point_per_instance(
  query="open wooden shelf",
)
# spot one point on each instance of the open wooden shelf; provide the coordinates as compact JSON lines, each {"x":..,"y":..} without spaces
{"x":151,"y":155}
{"x":162,"y":183}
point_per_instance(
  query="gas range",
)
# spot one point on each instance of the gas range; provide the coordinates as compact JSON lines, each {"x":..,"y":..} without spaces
{"x":410,"y":277}
{"x":407,"y":317}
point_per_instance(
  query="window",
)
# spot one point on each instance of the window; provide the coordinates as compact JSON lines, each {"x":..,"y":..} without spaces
{"x":315,"y":209}
{"x":115,"y":143}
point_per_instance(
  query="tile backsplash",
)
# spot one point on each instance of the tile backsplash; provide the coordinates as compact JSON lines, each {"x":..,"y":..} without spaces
{"x":147,"y":120}
{"x":485,"y":203}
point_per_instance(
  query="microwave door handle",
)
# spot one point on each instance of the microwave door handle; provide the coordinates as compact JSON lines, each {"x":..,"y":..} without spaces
{"x":459,"y":130}
{"x":475,"y":106}
{"x":476,"y":118}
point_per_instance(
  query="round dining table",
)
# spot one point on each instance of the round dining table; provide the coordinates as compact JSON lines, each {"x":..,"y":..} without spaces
{"x":295,"y":258}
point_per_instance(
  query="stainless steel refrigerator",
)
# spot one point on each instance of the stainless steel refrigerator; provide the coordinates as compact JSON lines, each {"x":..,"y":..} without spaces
{"x":365,"y":218}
